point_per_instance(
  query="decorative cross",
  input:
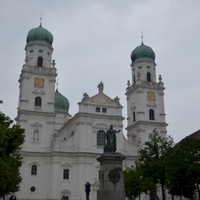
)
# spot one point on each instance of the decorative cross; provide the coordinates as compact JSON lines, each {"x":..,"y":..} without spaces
{"x":40,"y":19}
{"x":142,"y":36}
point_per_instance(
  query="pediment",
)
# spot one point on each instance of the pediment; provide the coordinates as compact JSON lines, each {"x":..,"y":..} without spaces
{"x":34,"y":163}
{"x":38,"y":91}
{"x":36,"y":124}
{"x":100,"y":125}
{"x":65,"y":192}
{"x":66,"y":164}
{"x":152,"y":105}
{"x":101,"y":100}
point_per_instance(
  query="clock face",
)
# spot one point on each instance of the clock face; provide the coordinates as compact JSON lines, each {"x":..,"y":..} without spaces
{"x":150,"y":96}
{"x":39,"y":82}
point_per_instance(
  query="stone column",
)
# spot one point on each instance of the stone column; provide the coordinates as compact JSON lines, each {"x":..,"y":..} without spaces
{"x":111,"y":184}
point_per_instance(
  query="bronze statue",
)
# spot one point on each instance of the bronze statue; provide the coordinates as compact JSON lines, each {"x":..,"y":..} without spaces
{"x":87,"y":190}
{"x":111,"y":140}
{"x":13,"y":197}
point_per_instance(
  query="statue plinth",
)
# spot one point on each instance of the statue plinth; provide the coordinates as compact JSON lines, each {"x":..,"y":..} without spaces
{"x":111,"y":184}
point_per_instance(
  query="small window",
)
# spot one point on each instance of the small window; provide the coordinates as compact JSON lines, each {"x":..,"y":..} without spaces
{"x":104,"y":110}
{"x":38,"y":101}
{"x":31,"y":51}
{"x":98,"y":109}
{"x":101,"y":138}
{"x":149,"y":76}
{"x":40,"y":61}
{"x":133,"y":116}
{"x":134,"y":78}
{"x":99,"y":174}
{"x":66,"y":174}
{"x":34,"y":170}
{"x":151,"y":114}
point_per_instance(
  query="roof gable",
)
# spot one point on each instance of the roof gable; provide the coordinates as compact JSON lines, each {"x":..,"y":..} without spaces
{"x":101,"y":99}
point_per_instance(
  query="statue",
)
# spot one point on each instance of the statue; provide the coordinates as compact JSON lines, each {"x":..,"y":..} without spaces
{"x":111,"y":140}
{"x":117,"y":99}
{"x":13,"y":197}
{"x":100,"y":86}
{"x":87,"y":190}
{"x":36,"y":136}
{"x":85,"y":96}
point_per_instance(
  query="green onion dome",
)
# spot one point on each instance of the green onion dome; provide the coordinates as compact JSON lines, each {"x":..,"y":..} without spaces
{"x":39,"y":35}
{"x":61,"y":103}
{"x":143,"y":53}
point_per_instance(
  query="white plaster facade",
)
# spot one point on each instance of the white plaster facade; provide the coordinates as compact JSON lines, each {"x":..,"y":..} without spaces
{"x":144,"y":95}
{"x":57,"y":143}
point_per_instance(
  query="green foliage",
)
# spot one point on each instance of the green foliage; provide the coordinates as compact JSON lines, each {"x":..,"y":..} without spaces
{"x":135,"y":182}
{"x":11,"y":138}
{"x":175,"y":168}
{"x":150,"y":168}
{"x":152,"y":158}
{"x":183,"y":168}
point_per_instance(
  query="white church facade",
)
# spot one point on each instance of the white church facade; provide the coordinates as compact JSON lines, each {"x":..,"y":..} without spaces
{"x":60,"y":150}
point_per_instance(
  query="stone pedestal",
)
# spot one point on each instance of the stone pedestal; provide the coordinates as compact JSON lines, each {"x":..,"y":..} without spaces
{"x":111,"y":186}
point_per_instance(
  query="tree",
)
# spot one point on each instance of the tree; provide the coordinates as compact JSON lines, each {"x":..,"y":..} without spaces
{"x":183,"y":168}
{"x":151,"y":164}
{"x":135,"y":182}
{"x":11,"y":139}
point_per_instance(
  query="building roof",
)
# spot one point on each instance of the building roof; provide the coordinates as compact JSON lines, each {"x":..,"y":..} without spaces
{"x":61,"y":103}
{"x":195,"y":135}
{"x":143,"y":53}
{"x":39,"y":35}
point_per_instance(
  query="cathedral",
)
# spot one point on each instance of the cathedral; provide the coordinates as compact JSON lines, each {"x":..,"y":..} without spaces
{"x":60,"y":151}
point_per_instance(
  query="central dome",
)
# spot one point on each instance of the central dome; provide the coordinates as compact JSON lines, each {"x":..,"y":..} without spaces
{"x":39,"y":35}
{"x":143,"y":53}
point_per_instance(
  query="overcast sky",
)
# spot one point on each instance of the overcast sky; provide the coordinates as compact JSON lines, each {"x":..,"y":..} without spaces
{"x":93,"y":40}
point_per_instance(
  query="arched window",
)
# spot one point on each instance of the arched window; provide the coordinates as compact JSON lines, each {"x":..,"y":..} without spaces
{"x":40,"y":61}
{"x":134,"y":116}
{"x":101,"y":138}
{"x":38,"y":101}
{"x":65,"y":197}
{"x":151,"y":114}
{"x":34,"y":170}
{"x":149,"y":76}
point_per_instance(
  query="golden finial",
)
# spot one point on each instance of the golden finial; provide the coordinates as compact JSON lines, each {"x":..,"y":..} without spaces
{"x":142,"y":37}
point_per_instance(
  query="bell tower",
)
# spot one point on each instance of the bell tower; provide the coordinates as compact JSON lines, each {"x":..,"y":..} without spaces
{"x":37,"y":91}
{"x":145,"y":97}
